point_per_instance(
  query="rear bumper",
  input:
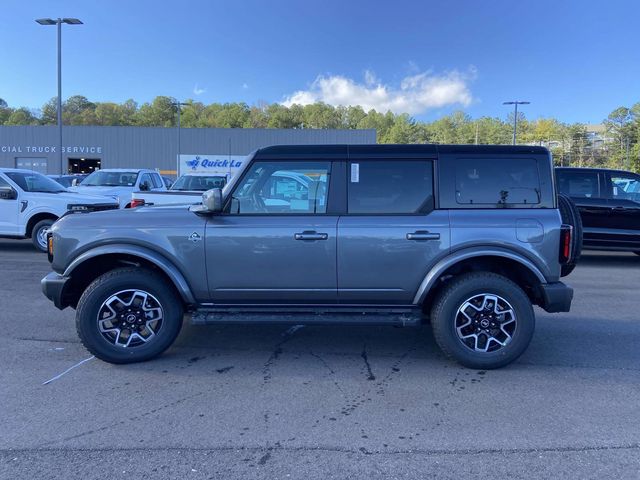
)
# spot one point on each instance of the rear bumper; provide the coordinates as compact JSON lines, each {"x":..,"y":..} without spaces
{"x":53,"y":288}
{"x":556,"y":297}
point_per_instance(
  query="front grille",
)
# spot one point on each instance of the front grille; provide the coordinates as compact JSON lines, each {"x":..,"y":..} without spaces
{"x":101,"y":207}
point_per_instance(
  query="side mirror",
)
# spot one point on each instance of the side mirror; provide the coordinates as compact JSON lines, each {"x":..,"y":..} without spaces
{"x":144,"y":187}
{"x":8,"y":193}
{"x":212,"y":200}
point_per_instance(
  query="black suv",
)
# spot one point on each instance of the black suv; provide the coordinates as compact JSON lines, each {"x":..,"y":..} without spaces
{"x":609,"y":204}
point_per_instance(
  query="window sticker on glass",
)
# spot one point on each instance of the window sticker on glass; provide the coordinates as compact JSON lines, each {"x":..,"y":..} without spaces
{"x":355,"y":173}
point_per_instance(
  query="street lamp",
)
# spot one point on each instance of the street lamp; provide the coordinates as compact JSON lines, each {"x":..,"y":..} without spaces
{"x":59,"y":22}
{"x":515,"y":115}
{"x":178,"y":105}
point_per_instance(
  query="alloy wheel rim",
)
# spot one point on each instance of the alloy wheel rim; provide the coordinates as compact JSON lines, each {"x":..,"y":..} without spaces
{"x":42,"y":237}
{"x":485,"y":323}
{"x":130,"y":318}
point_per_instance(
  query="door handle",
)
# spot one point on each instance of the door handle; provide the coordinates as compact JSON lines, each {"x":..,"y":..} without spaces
{"x":422,"y":235}
{"x":311,"y":235}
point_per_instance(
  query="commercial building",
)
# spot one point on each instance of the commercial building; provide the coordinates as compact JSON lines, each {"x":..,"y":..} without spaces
{"x":86,"y":148}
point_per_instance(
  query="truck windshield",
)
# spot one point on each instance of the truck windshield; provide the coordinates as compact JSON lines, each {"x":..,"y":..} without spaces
{"x":35,"y":182}
{"x":198,"y":183}
{"x":102,"y":178}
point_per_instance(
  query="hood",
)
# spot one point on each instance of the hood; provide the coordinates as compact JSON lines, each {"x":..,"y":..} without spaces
{"x":77,"y":198}
{"x":108,"y":191}
{"x":130,"y":218}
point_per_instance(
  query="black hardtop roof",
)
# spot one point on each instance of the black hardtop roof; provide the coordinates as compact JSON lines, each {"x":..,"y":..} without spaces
{"x":392,"y":150}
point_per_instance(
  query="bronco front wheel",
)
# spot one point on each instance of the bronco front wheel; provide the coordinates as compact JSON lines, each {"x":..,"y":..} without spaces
{"x":128,"y":315}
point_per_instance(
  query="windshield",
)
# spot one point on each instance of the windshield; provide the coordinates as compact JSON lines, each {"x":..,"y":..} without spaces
{"x":102,"y":178}
{"x":198,"y":183}
{"x":35,"y":182}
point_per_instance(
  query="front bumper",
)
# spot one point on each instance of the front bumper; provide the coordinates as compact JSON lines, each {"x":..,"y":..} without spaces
{"x":53,"y":288}
{"x":556,"y":297}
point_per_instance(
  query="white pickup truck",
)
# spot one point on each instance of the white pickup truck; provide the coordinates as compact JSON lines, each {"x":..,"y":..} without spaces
{"x":30,"y":203}
{"x":282,"y":190}
{"x":186,"y":190}
{"x":120,"y":183}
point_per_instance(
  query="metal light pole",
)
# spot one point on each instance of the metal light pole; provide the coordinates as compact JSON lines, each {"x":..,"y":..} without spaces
{"x":179,"y":107}
{"x":58,"y":22}
{"x":515,"y":115}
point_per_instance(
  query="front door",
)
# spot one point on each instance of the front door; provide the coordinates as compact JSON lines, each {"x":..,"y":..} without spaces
{"x":391,"y":234}
{"x":586,"y":189}
{"x":275,"y":243}
{"x":8,"y":212}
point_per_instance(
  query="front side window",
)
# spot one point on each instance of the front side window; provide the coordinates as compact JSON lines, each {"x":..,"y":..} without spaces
{"x":625,"y":187}
{"x":283,"y":188}
{"x":390,"y":187}
{"x":35,"y":182}
{"x":497,"y":181}
{"x":578,"y":184}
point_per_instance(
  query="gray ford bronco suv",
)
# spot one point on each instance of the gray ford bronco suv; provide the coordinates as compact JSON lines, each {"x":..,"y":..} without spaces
{"x":467,"y":238}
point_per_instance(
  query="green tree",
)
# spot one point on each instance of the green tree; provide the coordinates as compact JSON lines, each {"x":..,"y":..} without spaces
{"x":161,"y":112}
{"x":21,"y":116}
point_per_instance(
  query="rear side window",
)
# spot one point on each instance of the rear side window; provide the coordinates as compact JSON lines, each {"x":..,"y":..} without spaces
{"x":390,"y":187}
{"x":485,"y":181}
{"x":578,"y":184}
{"x":157,"y":181}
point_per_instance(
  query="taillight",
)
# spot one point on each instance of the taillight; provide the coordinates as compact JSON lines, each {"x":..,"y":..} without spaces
{"x":137,"y":202}
{"x":566,"y":233}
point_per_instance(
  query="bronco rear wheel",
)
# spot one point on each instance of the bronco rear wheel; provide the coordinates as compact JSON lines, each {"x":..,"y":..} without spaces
{"x":128,"y":315}
{"x":483,"y":320}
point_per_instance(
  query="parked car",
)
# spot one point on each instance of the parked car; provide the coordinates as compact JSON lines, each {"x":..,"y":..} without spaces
{"x":68,"y":180}
{"x":186,"y":190}
{"x":31,"y":202}
{"x":468,"y":237}
{"x":119,"y":183}
{"x":609,"y":204}
{"x":167,"y":181}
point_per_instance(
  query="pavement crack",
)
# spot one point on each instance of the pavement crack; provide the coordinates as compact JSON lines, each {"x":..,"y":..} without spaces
{"x":370,"y":375}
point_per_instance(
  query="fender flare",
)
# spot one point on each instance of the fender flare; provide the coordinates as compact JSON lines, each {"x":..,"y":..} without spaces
{"x":177,"y":278}
{"x":441,"y":266}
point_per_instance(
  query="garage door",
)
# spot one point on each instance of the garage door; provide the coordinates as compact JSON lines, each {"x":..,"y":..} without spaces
{"x":32,"y":163}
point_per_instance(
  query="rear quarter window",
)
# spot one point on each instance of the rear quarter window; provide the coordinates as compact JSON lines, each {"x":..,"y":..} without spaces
{"x":505,"y":181}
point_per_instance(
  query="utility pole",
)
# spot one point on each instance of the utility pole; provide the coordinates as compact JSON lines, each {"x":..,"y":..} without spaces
{"x":515,"y":103}
{"x":178,"y":105}
{"x":58,"y":22}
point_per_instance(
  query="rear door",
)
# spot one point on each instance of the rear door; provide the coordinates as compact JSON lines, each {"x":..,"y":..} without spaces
{"x":624,"y":201}
{"x":391,"y":233}
{"x":587,"y":189}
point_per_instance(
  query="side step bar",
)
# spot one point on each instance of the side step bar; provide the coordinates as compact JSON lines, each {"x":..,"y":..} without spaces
{"x":402,"y":317}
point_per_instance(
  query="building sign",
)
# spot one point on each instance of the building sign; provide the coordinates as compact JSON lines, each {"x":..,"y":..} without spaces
{"x":84,"y":149}
{"x":214,"y":164}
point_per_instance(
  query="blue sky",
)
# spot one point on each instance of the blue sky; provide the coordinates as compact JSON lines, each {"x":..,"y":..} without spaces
{"x":574,"y":60}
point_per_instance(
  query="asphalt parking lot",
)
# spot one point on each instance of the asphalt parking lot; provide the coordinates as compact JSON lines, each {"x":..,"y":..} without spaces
{"x":322,"y":402}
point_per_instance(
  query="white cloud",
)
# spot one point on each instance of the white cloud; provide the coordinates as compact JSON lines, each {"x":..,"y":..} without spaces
{"x":197,"y":90}
{"x":245,"y":86}
{"x":416,"y":93}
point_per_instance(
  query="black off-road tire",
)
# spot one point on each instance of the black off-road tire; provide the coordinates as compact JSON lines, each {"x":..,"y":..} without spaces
{"x":37,"y":232}
{"x":455,"y":294}
{"x":116,"y":281}
{"x":571,"y":216}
